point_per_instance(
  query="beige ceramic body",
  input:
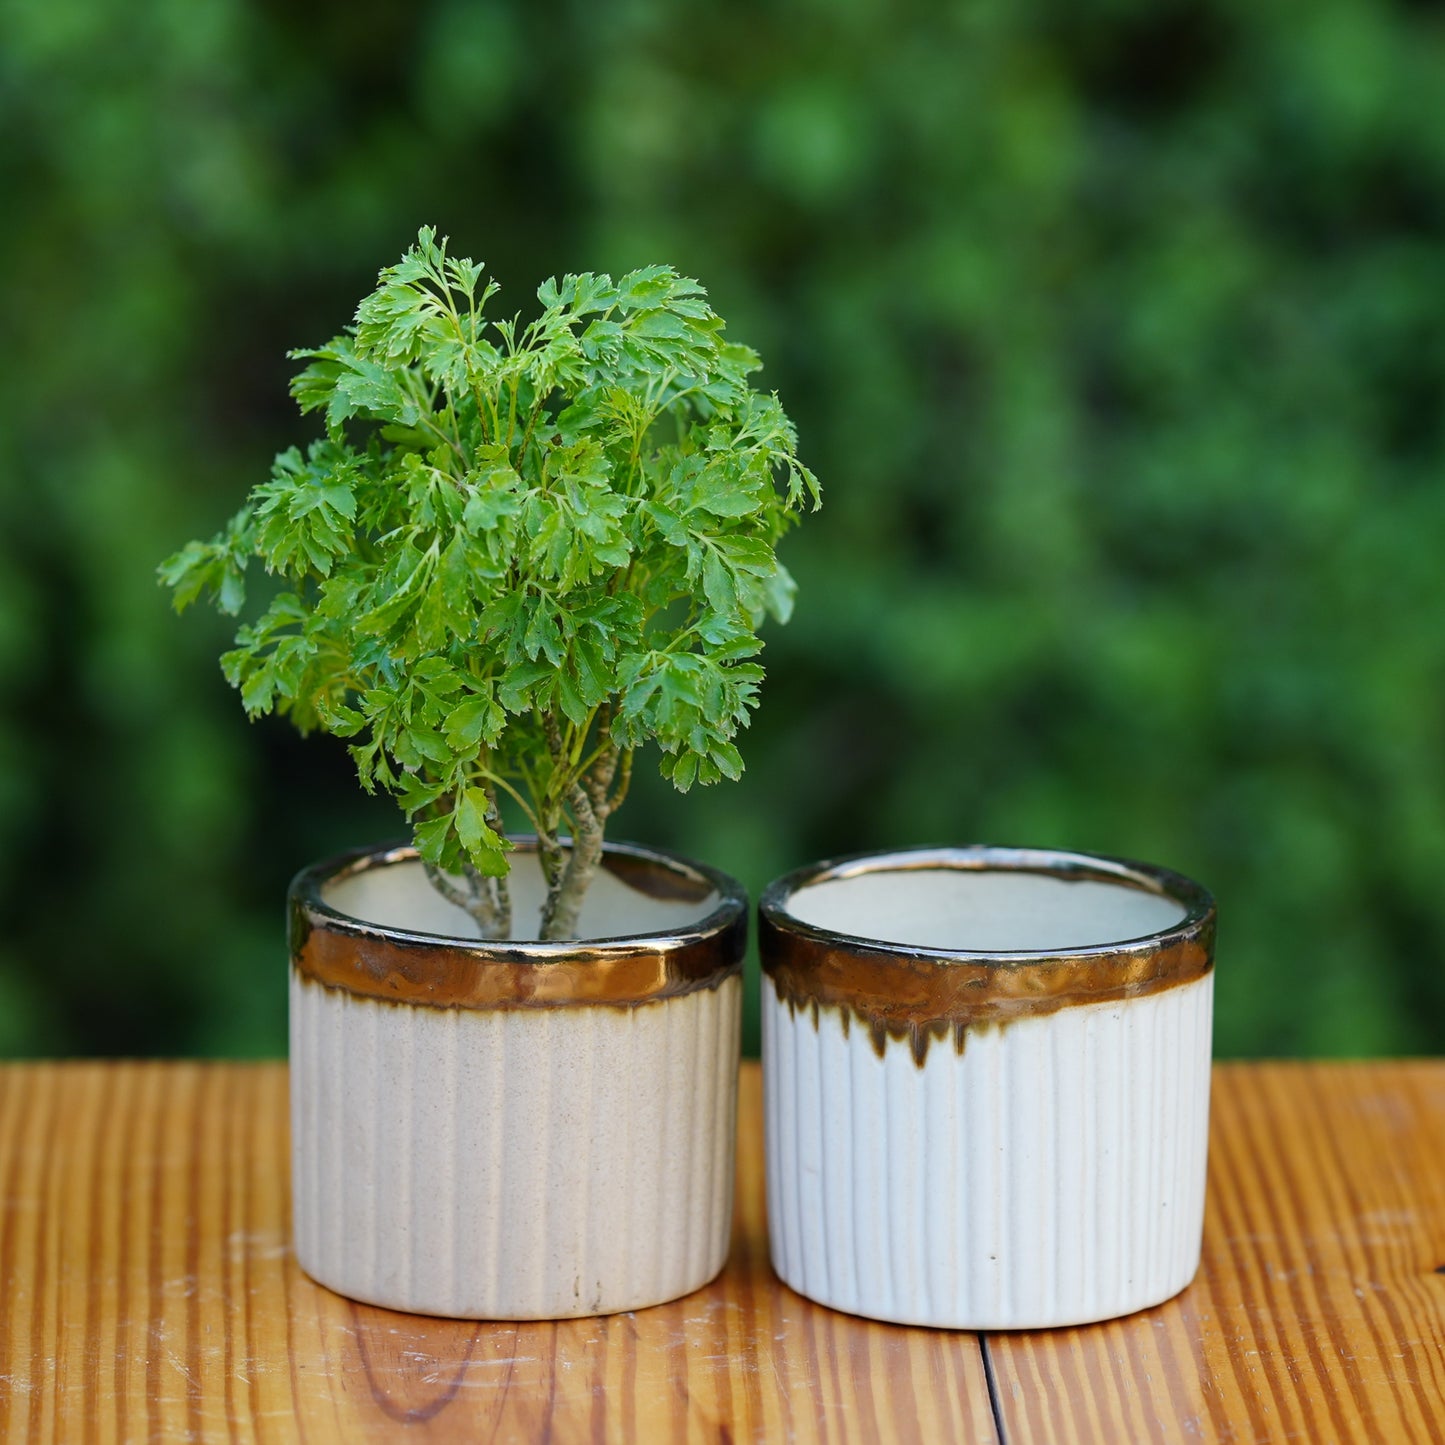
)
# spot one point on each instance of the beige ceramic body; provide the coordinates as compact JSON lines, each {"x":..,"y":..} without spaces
{"x":513,"y":1162}
{"x":1040,"y":1164}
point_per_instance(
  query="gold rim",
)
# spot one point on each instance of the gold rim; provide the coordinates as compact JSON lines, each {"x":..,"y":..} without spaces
{"x":918,"y":994}
{"x":400,"y":966}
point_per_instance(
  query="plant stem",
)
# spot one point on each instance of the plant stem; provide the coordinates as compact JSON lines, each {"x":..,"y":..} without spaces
{"x":624,"y":778}
{"x":527,"y":435}
{"x":564,"y":900}
{"x":590,"y":807}
{"x":501,"y":890}
{"x":476,"y":899}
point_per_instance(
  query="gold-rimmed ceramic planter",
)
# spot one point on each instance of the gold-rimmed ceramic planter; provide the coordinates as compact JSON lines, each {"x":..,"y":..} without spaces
{"x":986,"y":1084}
{"x":514,"y":1129}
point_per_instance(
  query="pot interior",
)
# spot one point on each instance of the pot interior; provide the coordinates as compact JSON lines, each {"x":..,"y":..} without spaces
{"x":983,"y":910}
{"x":628,"y":897}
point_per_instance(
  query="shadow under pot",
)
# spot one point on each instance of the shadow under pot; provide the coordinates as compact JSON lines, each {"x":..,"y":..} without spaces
{"x":514,"y":1129}
{"x":986,"y":1084}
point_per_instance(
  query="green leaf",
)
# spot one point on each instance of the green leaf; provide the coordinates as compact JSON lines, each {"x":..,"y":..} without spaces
{"x":348,"y":384}
{"x":472,"y":720}
{"x":517,"y":688}
{"x":415,"y":747}
{"x":590,"y":663}
{"x":415,"y":793}
{"x":737,"y":497}
{"x":485,"y":511}
{"x":437,"y":843}
{"x":544,"y":630}
{"x":552,"y":540}
{"x":728,"y":759}
{"x":485,"y":850}
{"x":684,"y":771}
{"x":198,"y":567}
{"x":511,"y":528}
{"x":779,"y":590}
{"x":216,"y":567}
{"x":471,"y":815}
{"x":570,"y":699}
{"x":667,"y":522}
{"x":717,"y":582}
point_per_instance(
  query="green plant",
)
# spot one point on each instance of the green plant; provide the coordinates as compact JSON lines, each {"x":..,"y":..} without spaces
{"x":519,"y":553}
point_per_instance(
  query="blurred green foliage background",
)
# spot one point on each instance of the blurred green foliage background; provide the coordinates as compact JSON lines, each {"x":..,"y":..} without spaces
{"x":1115,"y":331}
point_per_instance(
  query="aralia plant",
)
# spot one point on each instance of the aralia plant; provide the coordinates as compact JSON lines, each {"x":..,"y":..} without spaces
{"x":519,"y":553}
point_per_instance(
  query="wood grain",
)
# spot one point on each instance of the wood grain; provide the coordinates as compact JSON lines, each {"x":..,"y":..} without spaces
{"x":148,"y":1293}
{"x":1318,"y":1313}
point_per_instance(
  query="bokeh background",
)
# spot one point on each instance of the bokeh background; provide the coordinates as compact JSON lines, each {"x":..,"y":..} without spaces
{"x":1115,"y":332}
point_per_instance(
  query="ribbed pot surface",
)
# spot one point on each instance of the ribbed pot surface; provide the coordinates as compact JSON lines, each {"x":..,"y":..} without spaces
{"x":513,"y":1164}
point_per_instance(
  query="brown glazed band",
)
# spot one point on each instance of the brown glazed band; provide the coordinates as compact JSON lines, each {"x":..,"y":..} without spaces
{"x":906,"y":992}
{"x":373,"y":961}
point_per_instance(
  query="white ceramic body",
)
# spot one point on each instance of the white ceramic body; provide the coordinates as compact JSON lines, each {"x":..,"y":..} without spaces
{"x":514,"y":1163}
{"x":1050,"y":1174}
{"x":1035,"y":1155}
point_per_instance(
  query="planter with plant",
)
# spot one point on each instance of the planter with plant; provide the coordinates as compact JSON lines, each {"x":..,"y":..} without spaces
{"x":986,"y":1084}
{"x":520,"y":552}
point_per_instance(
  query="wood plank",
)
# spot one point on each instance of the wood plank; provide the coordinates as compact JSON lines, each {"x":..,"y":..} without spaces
{"x":148,"y":1293}
{"x":1318,"y":1313}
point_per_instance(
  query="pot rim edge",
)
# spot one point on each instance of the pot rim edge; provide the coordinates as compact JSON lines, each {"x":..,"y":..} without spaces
{"x":1199,"y":905}
{"x":304,"y":892}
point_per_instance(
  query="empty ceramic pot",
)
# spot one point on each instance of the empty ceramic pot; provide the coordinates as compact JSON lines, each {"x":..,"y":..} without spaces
{"x":517,"y":1129}
{"x":986,"y":1084}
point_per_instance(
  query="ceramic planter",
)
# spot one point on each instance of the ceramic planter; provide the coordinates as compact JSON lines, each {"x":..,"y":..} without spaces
{"x":515,"y":1130}
{"x":986,"y":1084}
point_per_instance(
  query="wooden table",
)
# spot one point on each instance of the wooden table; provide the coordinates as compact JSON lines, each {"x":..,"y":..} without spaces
{"x":148,"y":1293}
